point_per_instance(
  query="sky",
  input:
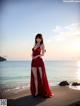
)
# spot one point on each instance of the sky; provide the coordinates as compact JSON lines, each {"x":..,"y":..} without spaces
{"x":57,"y":20}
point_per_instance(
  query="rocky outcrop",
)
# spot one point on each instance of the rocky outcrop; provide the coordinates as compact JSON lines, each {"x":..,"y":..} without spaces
{"x":75,"y":84}
{"x":2,"y":59}
{"x":63,"y":83}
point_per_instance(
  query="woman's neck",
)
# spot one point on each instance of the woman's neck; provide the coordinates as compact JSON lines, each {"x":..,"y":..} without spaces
{"x":38,"y":44}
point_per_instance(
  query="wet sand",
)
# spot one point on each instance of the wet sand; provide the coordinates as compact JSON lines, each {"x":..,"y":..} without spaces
{"x":63,"y":96}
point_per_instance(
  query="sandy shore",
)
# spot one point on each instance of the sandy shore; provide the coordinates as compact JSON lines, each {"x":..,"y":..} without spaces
{"x":64,"y":96}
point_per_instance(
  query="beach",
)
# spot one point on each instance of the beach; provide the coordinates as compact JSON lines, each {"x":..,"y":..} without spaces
{"x":63,"y":96}
{"x":14,"y":85}
{"x":43,"y":36}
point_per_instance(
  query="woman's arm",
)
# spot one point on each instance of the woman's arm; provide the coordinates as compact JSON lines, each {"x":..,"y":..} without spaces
{"x":42,"y":50}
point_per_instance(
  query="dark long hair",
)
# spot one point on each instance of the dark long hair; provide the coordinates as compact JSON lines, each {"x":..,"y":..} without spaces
{"x":39,"y":35}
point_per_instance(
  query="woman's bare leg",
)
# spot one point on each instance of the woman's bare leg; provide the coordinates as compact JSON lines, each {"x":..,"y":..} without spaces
{"x":40,"y":71}
{"x":34,"y":70}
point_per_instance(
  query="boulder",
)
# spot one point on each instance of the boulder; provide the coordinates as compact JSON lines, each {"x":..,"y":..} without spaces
{"x":75,"y":84}
{"x":63,"y":83}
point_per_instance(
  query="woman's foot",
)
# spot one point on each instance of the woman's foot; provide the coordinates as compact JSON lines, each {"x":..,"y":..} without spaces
{"x":36,"y":93}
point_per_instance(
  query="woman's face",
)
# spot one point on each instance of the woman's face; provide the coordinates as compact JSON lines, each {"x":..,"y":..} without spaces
{"x":38,"y":40}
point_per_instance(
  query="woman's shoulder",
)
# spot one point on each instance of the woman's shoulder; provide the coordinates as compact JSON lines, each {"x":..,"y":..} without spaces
{"x":42,"y":46}
{"x":35,"y":48}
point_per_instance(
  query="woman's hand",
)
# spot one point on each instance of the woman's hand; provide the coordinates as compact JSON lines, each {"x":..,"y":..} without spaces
{"x":34,"y":57}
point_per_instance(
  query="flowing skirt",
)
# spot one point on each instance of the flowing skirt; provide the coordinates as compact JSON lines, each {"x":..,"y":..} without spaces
{"x":43,"y":85}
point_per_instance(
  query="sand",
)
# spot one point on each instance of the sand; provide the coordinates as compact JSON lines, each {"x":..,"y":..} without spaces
{"x":64,"y":96}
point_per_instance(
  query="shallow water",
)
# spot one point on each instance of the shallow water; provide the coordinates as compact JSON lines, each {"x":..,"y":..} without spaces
{"x":17,"y":73}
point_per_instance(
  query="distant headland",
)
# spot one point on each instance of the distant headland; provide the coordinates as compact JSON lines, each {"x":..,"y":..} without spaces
{"x":2,"y":59}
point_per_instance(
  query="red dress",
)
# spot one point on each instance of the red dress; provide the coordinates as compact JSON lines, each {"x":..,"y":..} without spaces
{"x":43,"y":89}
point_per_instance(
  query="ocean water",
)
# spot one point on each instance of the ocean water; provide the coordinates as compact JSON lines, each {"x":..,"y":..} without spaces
{"x":18,"y":73}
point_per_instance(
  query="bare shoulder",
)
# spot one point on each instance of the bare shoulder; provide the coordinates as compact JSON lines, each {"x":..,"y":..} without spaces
{"x":42,"y":46}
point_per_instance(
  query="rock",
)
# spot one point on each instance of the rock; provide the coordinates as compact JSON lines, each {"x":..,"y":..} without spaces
{"x":2,"y":59}
{"x":75,"y":84}
{"x":63,"y":83}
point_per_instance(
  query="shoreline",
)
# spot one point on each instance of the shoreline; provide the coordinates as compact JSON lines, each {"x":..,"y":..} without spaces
{"x":23,"y":86}
{"x":63,"y":96}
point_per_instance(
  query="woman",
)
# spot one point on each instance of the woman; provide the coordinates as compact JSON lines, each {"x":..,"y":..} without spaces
{"x":39,"y":83}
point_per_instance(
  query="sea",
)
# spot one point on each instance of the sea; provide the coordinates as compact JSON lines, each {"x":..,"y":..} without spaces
{"x":18,"y":73}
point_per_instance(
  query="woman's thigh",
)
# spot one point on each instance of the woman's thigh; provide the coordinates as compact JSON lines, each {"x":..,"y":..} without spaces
{"x":34,"y":70}
{"x":40,"y":71}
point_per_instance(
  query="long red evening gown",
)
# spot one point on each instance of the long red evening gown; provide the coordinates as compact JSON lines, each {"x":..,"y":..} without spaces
{"x":43,"y":88}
